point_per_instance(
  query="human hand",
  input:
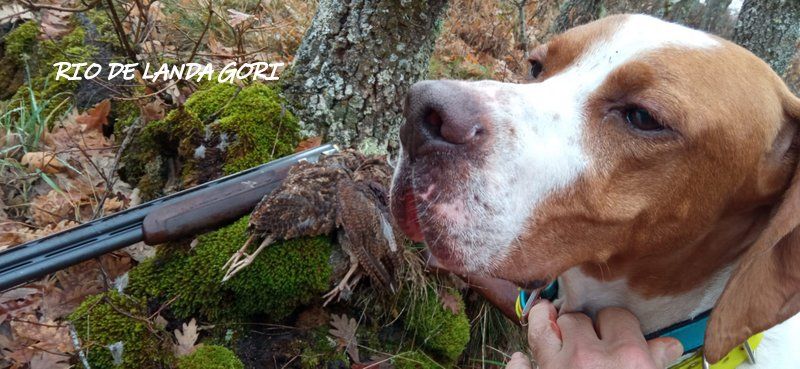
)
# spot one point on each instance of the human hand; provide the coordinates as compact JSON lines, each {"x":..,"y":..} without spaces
{"x":571,"y":341}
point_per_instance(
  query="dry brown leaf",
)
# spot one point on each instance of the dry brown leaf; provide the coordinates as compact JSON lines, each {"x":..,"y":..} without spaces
{"x":54,"y":207}
{"x":49,"y":360}
{"x":95,"y":118}
{"x":236,"y":17}
{"x":55,"y":23}
{"x":345,"y":332}
{"x":449,"y":301}
{"x":43,"y":160}
{"x":46,"y":335}
{"x":308,"y":143}
{"x":186,"y":339}
{"x":13,"y":13}
{"x":153,"y":110}
{"x":140,"y":251}
{"x":113,"y":204}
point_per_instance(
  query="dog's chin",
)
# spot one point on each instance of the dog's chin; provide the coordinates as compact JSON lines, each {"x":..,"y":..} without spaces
{"x":405,"y":206}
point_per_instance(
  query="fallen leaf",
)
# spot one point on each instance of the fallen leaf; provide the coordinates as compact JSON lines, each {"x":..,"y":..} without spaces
{"x":49,"y":360}
{"x":449,"y":301}
{"x":95,"y":118}
{"x":43,"y":160}
{"x":55,"y":23}
{"x":140,"y":251}
{"x":153,"y":110}
{"x":236,"y":17}
{"x":12,"y":13}
{"x":160,"y":321}
{"x":308,"y":143}
{"x":186,"y":339}
{"x":345,"y":331}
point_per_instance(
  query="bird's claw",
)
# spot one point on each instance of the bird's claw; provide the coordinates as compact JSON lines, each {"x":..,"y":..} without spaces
{"x":344,"y":288}
{"x":235,"y":264}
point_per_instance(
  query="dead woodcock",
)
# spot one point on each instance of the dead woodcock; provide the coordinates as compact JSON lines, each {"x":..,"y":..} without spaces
{"x":344,"y":192}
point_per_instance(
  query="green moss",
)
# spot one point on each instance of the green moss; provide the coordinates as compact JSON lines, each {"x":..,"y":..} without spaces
{"x":99,"y":324}
{"x":41,"y":76}
{"x":414,"y":359}
{"x":104,"y":26}
{"x":437,"y":330}
{"x":222,"y":129}
{"x":282,"y":277}
{"x":210,"y":357}
{"x":21,"y":41}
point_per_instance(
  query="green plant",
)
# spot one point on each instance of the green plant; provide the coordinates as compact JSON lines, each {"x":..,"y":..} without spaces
{"x":438,"y":330}
{"x":28,"y":121}
{"x":414,"y":359}
{"x":210,"y":357}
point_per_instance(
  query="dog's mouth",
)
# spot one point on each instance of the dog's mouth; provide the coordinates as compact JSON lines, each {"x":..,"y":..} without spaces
{"x":415,"y":212}
{"x":408,"y":217}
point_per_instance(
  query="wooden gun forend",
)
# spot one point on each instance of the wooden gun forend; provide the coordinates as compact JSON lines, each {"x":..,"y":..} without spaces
{"x":183,"y":214}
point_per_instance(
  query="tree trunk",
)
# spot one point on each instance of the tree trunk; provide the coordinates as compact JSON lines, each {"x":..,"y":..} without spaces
{"x":709,"y":15}
{"x":355,"y":65}
{"x":771,"y":30}
{"x":574,"y":13}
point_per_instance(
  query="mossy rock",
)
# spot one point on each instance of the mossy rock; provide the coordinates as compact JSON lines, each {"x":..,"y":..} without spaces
{"x":21,"y":41}
{"x":100,"y":323}
{"x":222,"y":129}
{"x":438,"y":330}
{"x":284,"y":276}
{"x":24,"y":51}
{"x":210,"y":357}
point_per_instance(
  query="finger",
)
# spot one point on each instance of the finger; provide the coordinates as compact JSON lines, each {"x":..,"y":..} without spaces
{"x":619,"y":325}
{"x":665,"y":351}
{"x":544,"y":335}
{"x":518,"y":361}
{"x":577,"y":329}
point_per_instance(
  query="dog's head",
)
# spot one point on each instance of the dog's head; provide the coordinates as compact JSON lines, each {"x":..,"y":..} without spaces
{"x":635,"y":141}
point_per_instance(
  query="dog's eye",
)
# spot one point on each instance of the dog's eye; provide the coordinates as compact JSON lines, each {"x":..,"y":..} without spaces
{"x":642,"y":120}
{"x":536,"y":68}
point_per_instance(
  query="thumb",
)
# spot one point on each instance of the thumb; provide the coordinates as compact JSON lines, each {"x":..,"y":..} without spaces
{"x":665,"y":351}
{"x":518,"y":361}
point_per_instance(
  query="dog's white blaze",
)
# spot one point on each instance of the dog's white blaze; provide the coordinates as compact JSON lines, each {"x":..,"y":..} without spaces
{"x":545,"y":154}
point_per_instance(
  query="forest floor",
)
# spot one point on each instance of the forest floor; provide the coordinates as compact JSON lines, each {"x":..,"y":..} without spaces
{"x":68,"y":154}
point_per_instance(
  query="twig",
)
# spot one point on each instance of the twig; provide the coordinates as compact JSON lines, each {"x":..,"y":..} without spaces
{"x":35,"y":6}
{"x":129,"y":315}
{"x":124,"y":145}
{"x":121,"y":32}
{"x":216,"y":114}
{"x":163,"y":306}
{"x":76,"y":343}
{"x":148,"y":95}
{"x":15,"y":14}
{"x":203,"y":34}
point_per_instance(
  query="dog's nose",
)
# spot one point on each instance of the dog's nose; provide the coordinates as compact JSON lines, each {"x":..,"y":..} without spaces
{"x":440,"y":116}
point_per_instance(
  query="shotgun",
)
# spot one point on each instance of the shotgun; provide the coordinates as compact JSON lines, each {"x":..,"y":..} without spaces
{"x":201,"y":208}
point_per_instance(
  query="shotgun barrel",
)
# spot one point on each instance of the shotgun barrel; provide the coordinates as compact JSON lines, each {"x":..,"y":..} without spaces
{"x":189,"y":212}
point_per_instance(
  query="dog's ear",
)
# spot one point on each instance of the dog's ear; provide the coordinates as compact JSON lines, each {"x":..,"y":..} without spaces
{"x":764,"y":289}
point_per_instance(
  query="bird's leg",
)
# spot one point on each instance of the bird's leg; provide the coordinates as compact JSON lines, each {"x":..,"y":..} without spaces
{"x":238,"y":255}
{"x":234,"y":264}
{"x":343,"y":285}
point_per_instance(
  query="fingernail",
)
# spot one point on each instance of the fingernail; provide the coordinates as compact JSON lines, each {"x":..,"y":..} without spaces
{"x":516,"y":356}
{"x":675,"y":349}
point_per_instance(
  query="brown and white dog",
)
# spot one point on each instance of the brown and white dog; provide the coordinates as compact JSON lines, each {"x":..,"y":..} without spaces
{"x":647,"y":165}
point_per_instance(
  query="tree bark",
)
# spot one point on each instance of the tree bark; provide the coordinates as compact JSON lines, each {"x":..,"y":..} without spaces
{"x":771,"y":30}
{"x":355,"y":65}
{"x":709,"y":15}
